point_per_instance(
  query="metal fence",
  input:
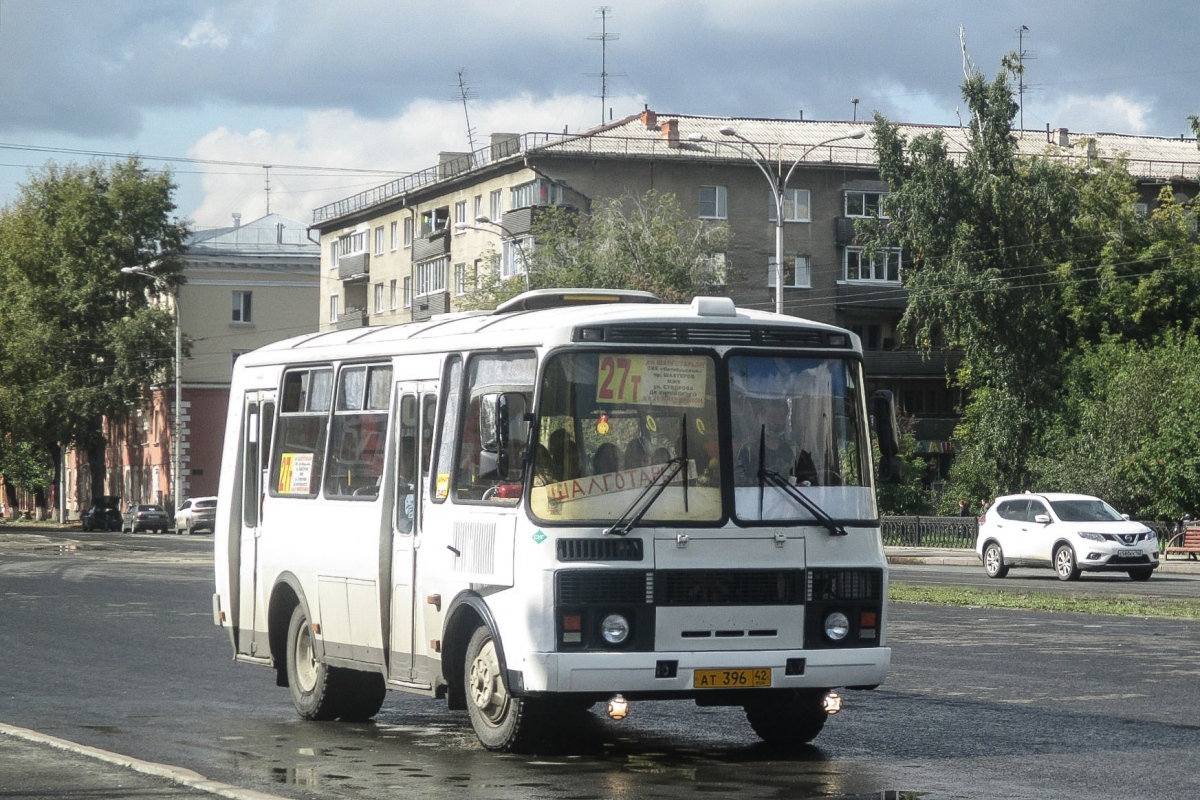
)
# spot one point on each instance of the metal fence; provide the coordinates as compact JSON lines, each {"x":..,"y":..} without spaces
{"x":955,"y":531}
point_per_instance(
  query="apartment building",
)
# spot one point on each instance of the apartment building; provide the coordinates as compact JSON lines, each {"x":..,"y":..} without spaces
{"x":413,"y":247}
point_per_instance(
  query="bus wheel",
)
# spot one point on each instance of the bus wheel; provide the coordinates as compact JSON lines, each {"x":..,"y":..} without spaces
{"x":313,"y":684}
{"x":501,"y":720}
{"x":788,"y":719}
{"x":364,"y":695}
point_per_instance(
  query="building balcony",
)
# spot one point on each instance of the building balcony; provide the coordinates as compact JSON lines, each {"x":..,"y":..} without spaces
{"x":354,"y":268}
{"x":909,"y":363}
{"x":352,"y":318}
{"x":870,"y":295}
{"x":426,"y":305}
{"x":434,"y":245}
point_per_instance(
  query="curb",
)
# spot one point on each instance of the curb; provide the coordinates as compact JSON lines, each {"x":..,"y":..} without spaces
{"x":177,"y":775}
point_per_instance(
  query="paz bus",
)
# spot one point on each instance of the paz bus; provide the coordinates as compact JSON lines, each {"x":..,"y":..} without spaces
{"x":582,"y":496}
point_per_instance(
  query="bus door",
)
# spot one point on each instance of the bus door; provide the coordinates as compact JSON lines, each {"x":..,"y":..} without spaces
{"x":417,"y":407}
{"x":258,"y":422}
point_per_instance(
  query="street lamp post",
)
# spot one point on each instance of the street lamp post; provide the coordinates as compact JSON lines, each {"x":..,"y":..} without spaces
{"x":779,"y":184}
{"x":484,"y":219}
{"x":177,"y":428}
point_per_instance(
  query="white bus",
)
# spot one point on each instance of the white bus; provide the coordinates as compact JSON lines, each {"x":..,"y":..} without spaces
{"x":582,"y":496}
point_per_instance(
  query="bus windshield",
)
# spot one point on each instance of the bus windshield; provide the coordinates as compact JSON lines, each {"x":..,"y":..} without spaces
{"x":799,"y":421}
{"x":610,"y":423}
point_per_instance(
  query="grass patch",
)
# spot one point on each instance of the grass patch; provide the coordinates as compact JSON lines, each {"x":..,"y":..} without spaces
{"x":1113,"y":605}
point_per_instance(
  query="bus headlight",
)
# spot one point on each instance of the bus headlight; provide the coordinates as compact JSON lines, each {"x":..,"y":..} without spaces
{"x":614,"y":629}
{"x":837,"y":626}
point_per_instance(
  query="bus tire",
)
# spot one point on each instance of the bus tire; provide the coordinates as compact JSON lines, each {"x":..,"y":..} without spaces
{"x":787,"y":719}
{"x":313,"y":684}
{"x":501,"y":720}
{"x":364,"y":695}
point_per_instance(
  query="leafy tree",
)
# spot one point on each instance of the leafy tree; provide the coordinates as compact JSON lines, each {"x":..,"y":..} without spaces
{"x":79,"y":340}
{"x":646,"y":243}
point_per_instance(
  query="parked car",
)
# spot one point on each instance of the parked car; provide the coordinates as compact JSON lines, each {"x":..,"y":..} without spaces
{"x":1072,"y":533}
{"x":196,"y":514}
{"x":104,"y":514}
{"x":145,"y":517}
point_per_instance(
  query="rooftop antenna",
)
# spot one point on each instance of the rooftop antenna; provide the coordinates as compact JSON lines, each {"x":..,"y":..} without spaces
{"x":465,"y":93}
{"x":854,"y":100}
{"x":604,"y":37}
{"x":267,"y":169}
{"x":1022,"y":54}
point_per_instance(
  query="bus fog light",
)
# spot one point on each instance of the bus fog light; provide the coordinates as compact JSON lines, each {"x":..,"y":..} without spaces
{"x":614,"y":629}
{"x":837,"y":626}
{"x":618,"y":707}
{"x":833,"y":703}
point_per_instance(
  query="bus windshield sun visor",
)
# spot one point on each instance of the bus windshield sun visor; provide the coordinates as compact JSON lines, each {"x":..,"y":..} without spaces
{"x":772,"y":477}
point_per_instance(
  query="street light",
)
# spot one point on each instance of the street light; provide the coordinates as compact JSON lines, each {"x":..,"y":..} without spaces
{"x":778,"y":187}
{"x":484,"y":219}
{"x":177,"y":428}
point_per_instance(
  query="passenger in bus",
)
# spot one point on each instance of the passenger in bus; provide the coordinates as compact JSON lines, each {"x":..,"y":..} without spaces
{"x":605,"y":459}
{"x":564,"y":455}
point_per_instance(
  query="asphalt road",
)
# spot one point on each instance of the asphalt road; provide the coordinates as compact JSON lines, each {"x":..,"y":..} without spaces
{"x":115,"y":648}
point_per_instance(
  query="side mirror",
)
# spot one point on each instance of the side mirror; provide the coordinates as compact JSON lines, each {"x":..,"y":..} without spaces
{"x":883,"y":415}
{"x":1042,"y":519}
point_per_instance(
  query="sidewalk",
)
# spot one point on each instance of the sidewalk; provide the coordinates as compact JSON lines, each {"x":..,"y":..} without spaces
{"x":34,"y":765}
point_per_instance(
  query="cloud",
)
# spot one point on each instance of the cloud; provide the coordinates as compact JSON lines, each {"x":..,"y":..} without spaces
{"x":205,"y":34}
{"x":407,"y":142}
{"x":1110,"y":112}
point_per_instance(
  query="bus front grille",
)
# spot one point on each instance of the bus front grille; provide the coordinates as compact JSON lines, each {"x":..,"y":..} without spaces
{"x":599,"y":549}
{"x":730,"y":587}
{"x":839,"y":585}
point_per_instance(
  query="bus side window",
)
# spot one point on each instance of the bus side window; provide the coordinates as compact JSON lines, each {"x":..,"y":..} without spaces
{"x":494,"y":430}
{"x":296,"y":460}
{"x":406,"y":464}
{"x":357,"y":437}
{"x":448,"y":440}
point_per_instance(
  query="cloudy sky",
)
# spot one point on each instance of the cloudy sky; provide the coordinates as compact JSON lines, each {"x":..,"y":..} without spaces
{"x":341,"y":96}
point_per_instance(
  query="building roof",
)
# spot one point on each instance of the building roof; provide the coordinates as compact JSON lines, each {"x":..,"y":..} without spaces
{"x":652,"y":135}
{"x":272,"y":235}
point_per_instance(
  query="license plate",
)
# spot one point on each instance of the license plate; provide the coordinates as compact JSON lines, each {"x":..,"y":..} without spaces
{"x":730,"y":678}
{"x":1129,"y":553}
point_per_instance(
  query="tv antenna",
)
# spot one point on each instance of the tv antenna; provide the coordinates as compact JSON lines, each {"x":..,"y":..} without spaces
{"x":604,"y":37}
{"x":465,"y":93}
{"x":267,"y":170}
{"x":1022,"y":54}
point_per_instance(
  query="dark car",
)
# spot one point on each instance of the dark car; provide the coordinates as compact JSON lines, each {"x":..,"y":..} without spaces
{"x":103,"y":515}
{"x":145,"y":517}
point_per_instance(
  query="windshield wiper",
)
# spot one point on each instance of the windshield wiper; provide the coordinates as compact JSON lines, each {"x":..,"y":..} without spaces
{"x":766,"y":476}
{"x":628,"y":519}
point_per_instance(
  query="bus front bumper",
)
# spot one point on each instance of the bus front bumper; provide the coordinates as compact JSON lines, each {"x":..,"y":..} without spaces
{"x":694,"y":673}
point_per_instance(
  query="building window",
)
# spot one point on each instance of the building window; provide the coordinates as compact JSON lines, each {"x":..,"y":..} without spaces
{"x":408,"y":231}
{"x":333,"y":254}
{"x":379,"y":241}
{"x":871,"y":336}
{"x":379,"y":298}
{"x":712,"y":202}
{"x":395,"y":292}
{"x":460,"y":279}
{"x":512,"y":259}
{"x":460,"y":215}
{"x":408,"y":292}
{"x":436,"y":220}
{"x":352,"y":244}
{"x":478,"y":207}
{"x":866,"y":204}
{"x":496,"y":205}
{"x":883,"y":267}
{"x":431,"y":276}
{"x":241,"y":307}
{"x":395,"y":237}
{"x":797,"y":273}
{"x":796,"y":206}
{"x":333,"y":308}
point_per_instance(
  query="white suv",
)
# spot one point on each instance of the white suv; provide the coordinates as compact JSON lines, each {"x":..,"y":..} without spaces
{"x":1069,"y":532}
{"x":198,"y":513}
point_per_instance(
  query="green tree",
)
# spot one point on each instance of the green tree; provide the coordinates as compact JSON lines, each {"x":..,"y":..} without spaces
{"x":986,"y":235}
{"x":646,"y":243}
{"x":79,"y":340}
